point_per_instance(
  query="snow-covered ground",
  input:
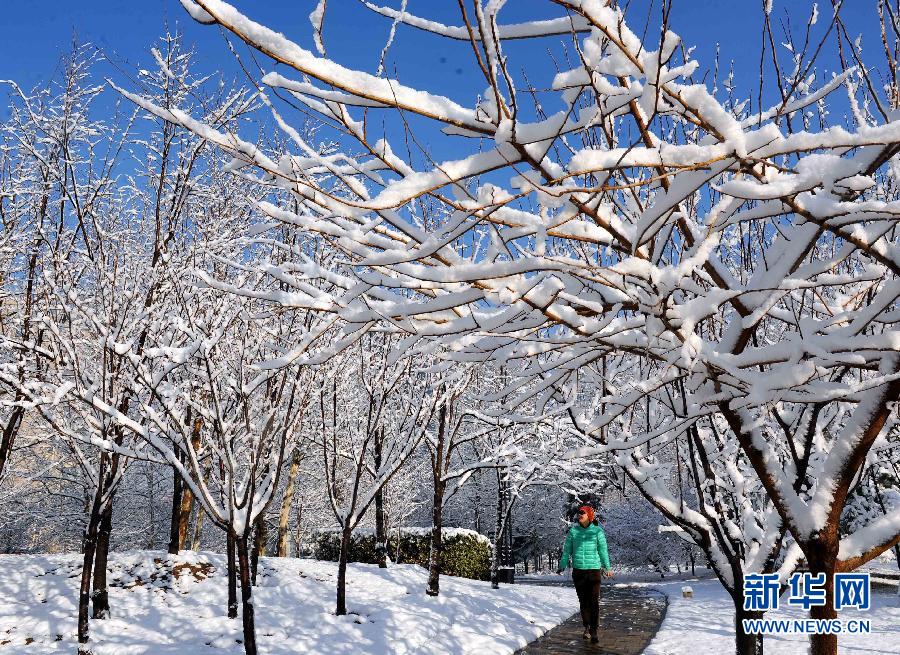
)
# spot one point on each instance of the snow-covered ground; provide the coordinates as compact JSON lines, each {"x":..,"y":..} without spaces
{"x":390,"y":613}
{"x":703,"y":624}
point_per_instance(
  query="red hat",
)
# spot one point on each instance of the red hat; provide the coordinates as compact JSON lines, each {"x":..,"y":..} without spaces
{"x":588,"y":511}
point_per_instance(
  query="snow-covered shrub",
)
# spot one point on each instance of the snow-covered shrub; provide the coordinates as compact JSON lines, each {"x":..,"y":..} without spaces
{"x":465,"y":553}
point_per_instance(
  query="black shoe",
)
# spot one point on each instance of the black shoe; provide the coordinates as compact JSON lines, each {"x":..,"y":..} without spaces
{"x":595,"y":639}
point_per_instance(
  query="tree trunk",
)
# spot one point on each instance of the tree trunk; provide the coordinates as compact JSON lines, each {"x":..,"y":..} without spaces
{"x":745,"y":644}
{"x":285,"y":515}
{"x":381,"y":549}
{"x":198,"y":528}
{"x":380,"y":528}
{"x":398,"y":555}
{"x":177,"y":512}
{"x":88,"y":546}
{"x":232,"y":575}
{"x":260,"y":537}
{"x":298,"y":536}
{"x":100,"y":595}
{"x":495,"y":565}
{"x":187,"y":497}
{"x":476,"y":500}
{"x":498,"y":538}
{"x":341,"y":608}
{"x":437,"y":506}
{"x":437,"y":524}
{"x":249,"y":618}
{"x":8,"y":437}
{"x":184,"y":520}
{"x":824,"y":644}
{"x":88,"y":550}
{"x":198,"y":521}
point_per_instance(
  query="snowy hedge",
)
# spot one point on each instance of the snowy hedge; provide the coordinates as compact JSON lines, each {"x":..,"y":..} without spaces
{"x":466,"y":553}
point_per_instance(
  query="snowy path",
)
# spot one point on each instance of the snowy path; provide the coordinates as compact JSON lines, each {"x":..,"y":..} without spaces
{"x":702,"y":624}
{"x":629,"y":618}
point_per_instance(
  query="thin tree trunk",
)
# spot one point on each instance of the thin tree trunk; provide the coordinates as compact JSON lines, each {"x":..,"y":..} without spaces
{"x":8,"y":437}
{"x":198,"y":528}
{"x":498,"y":537}
{"x":177,"y":512}
{"x":495,"y":565}
{"x":198,"y":521}
{"x":232,"y":575}
{"x":299,"y":532}
{"x":100,"y":594}
{"x":476,"y":500}
{"x":381,"y":549}
{"x":260,"y":537}
{"x":187,"y":498}
{"x":341,"y":608}
{"x":184,"y":520}
{"x":182,"y":498}
{"x":284,"y":515}
{"x":380,"y":528}
{"x":437,"y":506}
{"x":249,"y":619}
{"x":88,"y":550}
{"x":89,"y":546}
{"x":434,"y":556}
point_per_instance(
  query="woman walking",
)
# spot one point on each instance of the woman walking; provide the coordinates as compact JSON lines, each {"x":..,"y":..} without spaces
{"x":586,"y":547}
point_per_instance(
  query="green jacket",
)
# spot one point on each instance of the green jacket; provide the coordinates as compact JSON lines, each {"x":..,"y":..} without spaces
{"x":586,"y":547}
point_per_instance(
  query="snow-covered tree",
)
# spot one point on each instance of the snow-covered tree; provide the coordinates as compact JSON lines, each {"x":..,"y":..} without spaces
{"x":64,"y":184}
{"x":112,"y":254}
{"x":747,"y":255}
{"x":692,"y":472}
{"x":372,"y":415}
{"x":46,"y":164}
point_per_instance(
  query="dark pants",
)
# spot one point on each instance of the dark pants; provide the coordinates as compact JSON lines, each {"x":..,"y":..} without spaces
{"x":587,"y":585}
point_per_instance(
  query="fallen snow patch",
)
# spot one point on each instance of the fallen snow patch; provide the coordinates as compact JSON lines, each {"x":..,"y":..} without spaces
{"x":164,"y":606}
{"x":705,"y":624}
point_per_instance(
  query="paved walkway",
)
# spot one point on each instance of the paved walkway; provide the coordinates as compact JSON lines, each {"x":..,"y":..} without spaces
{"x":629,"y":617}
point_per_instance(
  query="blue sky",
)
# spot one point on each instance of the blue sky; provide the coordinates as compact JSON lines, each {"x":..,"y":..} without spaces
{"x":37,"y":32}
